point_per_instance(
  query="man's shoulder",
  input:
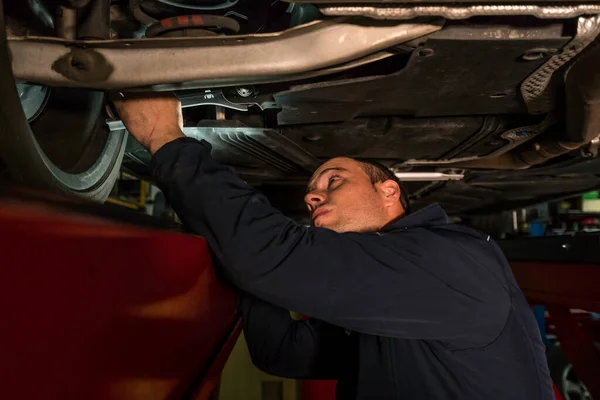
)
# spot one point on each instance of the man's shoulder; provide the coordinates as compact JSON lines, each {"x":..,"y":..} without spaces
{"x":447,"y":232}
{"x":450,"y":247}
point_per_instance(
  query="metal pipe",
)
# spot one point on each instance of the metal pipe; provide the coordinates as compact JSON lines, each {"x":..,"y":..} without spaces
{"x":428,"y":176}
{"x":522,"y":158}
{"x":93,"y":20}
{"x":219,"y":6}
{"x":537,"y":91}
{"x":402,"y":12}
{"x":66,"y":23}
{"x":138,"y":14}
{"x":205,"y":61}
{"x":582,"y":86}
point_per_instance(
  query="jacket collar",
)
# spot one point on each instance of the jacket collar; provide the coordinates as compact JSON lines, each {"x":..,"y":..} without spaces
{"x":432,"y":215}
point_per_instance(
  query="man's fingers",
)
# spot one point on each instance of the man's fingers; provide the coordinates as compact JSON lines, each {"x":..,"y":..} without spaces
{"x":118,"y":101}
{"x":151,"y":118}
{"x":121,"y":95}
{"x":116,"y":96}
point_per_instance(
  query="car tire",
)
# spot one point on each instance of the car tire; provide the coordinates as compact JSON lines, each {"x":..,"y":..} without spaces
{"x":561,"y":372}
{"x":66,"y":146}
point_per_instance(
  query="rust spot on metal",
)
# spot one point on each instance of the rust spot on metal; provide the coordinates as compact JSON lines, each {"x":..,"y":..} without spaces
{"x":83,"y":65}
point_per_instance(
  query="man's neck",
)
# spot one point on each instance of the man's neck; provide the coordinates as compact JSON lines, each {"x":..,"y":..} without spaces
{"x":393,"y":219}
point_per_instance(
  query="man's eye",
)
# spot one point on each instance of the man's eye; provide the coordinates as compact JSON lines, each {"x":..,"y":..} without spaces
{"x":333,"y":179}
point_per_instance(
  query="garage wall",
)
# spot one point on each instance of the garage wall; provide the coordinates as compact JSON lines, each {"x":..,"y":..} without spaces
{"x":241,"y":380}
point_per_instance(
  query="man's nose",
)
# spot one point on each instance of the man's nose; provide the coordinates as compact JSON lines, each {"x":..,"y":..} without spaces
{"x":314,"y":199}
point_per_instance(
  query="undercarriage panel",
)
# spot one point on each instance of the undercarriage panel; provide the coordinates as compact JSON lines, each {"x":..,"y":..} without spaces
{"x":427,"y":95}
{"x":448,"y":74}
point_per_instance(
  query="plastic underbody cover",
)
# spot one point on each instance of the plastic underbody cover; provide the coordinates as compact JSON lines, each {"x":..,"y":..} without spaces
{"x":93,"y":309}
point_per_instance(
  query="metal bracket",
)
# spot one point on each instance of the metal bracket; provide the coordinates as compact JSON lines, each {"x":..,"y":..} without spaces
{"x":212,"y":97}
{"x":204,"y":61}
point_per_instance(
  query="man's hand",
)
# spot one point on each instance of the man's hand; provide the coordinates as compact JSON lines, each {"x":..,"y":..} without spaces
{"x":152,"y":119}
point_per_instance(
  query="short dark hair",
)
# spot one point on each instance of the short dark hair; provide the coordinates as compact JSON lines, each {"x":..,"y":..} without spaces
{"x":380,"y":173}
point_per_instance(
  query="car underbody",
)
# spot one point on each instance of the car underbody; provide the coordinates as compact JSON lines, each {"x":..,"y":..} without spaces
{"x":477,"y":106}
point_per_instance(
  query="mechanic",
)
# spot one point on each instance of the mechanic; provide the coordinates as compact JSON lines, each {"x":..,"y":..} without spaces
{"x":403,"y":306}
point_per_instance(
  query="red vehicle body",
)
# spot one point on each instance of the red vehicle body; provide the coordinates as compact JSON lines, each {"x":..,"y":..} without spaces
{"x":145,"y":318}
{"x":148,"y":318}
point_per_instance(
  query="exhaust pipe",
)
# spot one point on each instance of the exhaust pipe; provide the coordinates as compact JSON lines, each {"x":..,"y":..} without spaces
{"x":582,"y":87}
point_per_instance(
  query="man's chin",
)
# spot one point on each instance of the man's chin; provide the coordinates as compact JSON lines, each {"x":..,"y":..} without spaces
{"x":331,"y":226}
{"x":342,"y":228}
{"x":326,"y":225}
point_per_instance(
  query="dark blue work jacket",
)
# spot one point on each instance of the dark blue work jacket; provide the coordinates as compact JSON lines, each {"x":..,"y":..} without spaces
{"x":424,"y":309}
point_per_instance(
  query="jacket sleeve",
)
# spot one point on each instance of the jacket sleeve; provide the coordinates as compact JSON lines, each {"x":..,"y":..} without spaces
{"x":282,"y":346}
{"x":384,"y":285}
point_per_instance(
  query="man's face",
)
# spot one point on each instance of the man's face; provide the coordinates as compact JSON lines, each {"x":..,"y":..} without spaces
{"x":341,"y":197}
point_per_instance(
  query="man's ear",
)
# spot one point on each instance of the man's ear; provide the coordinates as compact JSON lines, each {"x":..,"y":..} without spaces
{"x":390,"y":190}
